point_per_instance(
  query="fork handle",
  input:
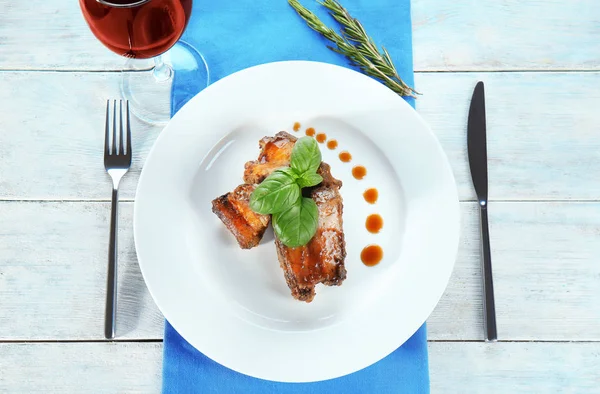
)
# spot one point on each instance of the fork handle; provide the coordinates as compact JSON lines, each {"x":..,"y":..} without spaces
{"x":489,"y":307}
{"x":111,"y":283}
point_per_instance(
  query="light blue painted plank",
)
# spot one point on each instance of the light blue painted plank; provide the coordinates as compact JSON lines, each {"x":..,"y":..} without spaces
{"x":507,"y":368}
{"x":497,"y":368}
{"x":448,"y":35}
{"x":506,"y":34}
{"x":543,"y":131}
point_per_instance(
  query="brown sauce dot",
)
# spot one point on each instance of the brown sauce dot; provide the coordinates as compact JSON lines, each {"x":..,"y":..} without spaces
{"x":374,"y":223}
{"x":371,"y":255}
{"x":346,"y":157}
{"x":371,"y":195}
{"x":310,"y":132}
{"x":321,"y":137}
{"x":332,"y":144}
{"x":296,"y":126}
{"x":359,"y":172}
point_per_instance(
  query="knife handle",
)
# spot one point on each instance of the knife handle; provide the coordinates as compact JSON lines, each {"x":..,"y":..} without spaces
{"x":489,"y":307}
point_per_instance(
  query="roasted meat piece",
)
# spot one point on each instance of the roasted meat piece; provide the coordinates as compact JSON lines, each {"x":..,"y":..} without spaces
{"x":328,"y":179}
{"x":322,"y":259}
{"x":275,"y":152}
{"x":233,"y":208}
{"x":234,"y":211}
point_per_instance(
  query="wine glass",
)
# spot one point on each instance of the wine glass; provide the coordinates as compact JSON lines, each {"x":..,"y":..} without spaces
{"x":143,"y":29}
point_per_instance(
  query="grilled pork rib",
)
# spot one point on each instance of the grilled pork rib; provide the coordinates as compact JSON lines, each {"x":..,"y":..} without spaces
{"x":234,"y":211}
{"x":322,"y":259}
{"x":233,"y":208}
{"x":275,"y":152}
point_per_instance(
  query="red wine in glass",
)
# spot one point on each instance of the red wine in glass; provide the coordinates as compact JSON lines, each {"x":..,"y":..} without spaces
{"x":142,"y":29}
{"x":137,"y":28}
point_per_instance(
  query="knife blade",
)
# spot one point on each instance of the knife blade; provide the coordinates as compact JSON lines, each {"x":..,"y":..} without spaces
{"x":477,"y":150}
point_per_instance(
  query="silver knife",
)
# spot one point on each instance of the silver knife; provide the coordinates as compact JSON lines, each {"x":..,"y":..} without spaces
{"x":477,"y":147}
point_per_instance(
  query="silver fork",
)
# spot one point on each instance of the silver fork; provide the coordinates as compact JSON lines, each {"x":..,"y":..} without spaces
{"x":116,"y":163}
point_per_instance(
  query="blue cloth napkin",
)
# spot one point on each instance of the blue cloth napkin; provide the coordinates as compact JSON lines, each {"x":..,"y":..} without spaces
{"x":236,"y":34}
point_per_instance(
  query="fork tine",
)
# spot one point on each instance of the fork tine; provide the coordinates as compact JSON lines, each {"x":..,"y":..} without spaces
{"x":121,"y":151}
{"x":107,"y":130}
{"x":128,"y":130}
{"x":114,"y":128}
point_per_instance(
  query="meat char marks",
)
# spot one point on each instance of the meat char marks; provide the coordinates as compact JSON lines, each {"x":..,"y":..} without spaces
{"x":322,"y":259}
{"x":234,"y":211}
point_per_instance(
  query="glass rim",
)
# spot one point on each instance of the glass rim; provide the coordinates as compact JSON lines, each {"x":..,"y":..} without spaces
{"x":133,"y":3}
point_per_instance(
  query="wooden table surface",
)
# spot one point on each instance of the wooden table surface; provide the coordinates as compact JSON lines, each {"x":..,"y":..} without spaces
{"x":540,"y":60}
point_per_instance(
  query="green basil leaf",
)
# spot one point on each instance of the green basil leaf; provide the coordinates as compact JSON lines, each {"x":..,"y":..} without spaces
{"x":291,"y":172}
{"x":298,"y":224}
{"x":306,"y":156}
{"x":309,"y":179}
{"x":276,"y":193}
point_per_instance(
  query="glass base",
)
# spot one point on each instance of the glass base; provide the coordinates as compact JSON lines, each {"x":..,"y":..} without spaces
{"x":149,"y":92}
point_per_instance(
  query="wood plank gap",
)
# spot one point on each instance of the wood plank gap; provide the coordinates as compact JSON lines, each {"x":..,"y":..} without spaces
{"x":34,"y":341}
{"x":508,"y":71}
{"x":158,"y":340}
{"x":512,"y":341}
{"x":474,"y":71}
{"x":91,"y":71}
{"x":129,"y":200}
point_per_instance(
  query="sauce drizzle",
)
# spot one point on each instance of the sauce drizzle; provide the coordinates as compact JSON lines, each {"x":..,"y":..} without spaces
{"x":374,"y":223}
{"x":371,"y":255}
{"x":345,"y":157}
{"x":359,"y":172}
{"x":371,"y":195}
{"x":321,"y":137}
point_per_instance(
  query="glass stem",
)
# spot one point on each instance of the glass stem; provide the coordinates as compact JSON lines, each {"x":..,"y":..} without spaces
{"x":162,"y":72}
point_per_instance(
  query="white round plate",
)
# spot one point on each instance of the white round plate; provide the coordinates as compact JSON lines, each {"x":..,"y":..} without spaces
{"x":233,"y":305}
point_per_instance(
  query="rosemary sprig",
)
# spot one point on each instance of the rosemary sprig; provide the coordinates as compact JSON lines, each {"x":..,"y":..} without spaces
{"x":356,"y":45}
